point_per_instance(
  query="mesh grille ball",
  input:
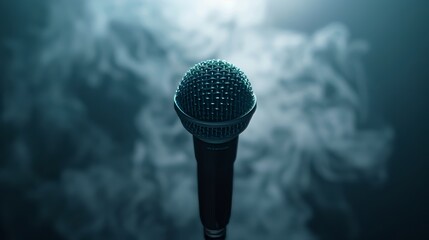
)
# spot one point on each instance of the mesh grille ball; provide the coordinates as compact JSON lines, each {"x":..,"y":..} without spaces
{"x":215,"y":91}
{"x":215,"y":100}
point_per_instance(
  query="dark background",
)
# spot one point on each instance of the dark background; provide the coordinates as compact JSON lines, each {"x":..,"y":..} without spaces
{"x":398,"y":72}
{"x":398,"y":69}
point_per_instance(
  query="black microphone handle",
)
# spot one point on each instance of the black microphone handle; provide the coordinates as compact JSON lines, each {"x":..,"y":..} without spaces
{"x":215,"y":163}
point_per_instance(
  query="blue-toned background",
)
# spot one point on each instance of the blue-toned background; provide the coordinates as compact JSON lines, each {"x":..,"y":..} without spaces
{"x":91,"y":147}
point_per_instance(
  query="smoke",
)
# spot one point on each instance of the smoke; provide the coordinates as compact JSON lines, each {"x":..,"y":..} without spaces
{"x":99,"y":151}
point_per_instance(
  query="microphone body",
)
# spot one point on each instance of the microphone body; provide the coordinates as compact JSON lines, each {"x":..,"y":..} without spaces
{"x":215,"y":166}
{"x":215,"y":103}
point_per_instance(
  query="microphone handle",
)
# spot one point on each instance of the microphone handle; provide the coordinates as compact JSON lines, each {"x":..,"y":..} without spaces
{"x":215,"y":163}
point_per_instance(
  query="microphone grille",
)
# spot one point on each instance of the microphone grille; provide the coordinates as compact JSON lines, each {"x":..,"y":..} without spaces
{"x":215,"y":100}
{"x":215,"y":91}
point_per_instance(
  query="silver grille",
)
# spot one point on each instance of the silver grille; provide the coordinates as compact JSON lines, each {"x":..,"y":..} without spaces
{"x":215,"y":100}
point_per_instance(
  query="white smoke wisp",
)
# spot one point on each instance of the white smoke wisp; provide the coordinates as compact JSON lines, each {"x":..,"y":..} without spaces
{"x":116,"y":162}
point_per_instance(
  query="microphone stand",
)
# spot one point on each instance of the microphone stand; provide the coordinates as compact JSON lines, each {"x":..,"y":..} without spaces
{"x":215,"y":166}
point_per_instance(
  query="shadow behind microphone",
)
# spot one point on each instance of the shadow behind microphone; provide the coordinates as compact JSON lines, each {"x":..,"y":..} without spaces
{"x":215,"y":103}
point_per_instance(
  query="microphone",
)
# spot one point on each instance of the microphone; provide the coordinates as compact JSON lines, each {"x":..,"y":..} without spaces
{"x":215,"y":102}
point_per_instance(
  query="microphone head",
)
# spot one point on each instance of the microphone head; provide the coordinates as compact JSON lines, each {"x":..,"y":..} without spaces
{"x":215,"y":101}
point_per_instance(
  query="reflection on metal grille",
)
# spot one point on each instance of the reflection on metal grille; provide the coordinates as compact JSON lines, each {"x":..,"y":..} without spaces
{"x":216,"y":100}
